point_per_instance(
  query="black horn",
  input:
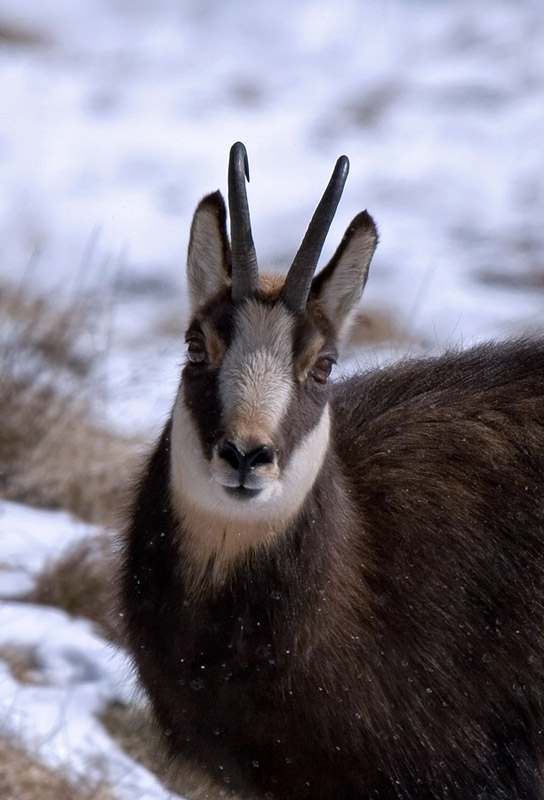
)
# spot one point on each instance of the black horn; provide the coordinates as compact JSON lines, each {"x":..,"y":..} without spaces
{"x":245,"y":277}
{"x":299,"y":278}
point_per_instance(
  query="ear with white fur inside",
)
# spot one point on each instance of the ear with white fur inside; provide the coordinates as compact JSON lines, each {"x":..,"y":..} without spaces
{"x":339,"y":286}
{"x":209,"y":259}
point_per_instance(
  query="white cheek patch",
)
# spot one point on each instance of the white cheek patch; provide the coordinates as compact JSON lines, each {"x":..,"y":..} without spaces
{"x":303,"y":467}
{"x":256,"y":380}
{"x":219,"y":529}
{"x":191,"y":477}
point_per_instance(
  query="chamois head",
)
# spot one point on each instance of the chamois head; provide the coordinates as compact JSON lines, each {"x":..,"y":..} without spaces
{"x":251,"y":421}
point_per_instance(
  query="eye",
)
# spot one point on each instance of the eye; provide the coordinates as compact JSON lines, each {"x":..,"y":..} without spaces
{"x":322,"y":368}
{"x":196,"y":349}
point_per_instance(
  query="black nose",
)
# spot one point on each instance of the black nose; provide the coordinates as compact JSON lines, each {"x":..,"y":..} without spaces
{"x":243,"y":462}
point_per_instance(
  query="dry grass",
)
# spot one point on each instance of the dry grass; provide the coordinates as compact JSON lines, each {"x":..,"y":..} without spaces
{"x":21,"y":663}
{"x":23,"y":777}
{"x":375,"y":326}
{"x":52,"y":453}
{"x":13,"y":35}
{"x":83,"y":582}
{"x":74,"y":464}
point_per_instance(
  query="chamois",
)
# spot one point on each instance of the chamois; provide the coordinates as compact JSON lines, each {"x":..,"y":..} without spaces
{"x":335,"y":590}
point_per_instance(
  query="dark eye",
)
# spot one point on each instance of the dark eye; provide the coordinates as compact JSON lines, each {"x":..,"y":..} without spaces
{"x":196,"y":349}
{"x":322,"y":368}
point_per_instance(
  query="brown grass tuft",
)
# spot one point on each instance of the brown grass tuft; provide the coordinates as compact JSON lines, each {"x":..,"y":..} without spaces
{"x":14,"y":35}
{"x":23,"y":777}
{"x":374,"y":326}
{"x":74,"y":465}
{"x":83,"y":582}
{"x":21,"y":663}
{"x":52,"y":453}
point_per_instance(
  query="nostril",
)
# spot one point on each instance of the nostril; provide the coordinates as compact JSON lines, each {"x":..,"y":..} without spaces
{"x":231,"y":454}
{"x":241,"y":461}
{"x":261,"y":455}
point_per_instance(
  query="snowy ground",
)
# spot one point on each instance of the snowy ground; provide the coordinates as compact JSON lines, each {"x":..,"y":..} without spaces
{"x":77,"y":674}
{"x":118,"y":116}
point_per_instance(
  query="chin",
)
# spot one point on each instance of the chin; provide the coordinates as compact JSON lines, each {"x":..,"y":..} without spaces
{"x":258,"y":500}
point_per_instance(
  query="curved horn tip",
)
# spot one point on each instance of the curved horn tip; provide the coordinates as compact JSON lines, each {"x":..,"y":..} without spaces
{"x":342,"y":165}
{"x":299,"y":278}
{"x":238,"y":154}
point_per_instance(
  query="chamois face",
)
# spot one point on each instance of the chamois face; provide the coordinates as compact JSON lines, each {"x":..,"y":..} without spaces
{"x":254,"y":402}
{"x":251,"y":421}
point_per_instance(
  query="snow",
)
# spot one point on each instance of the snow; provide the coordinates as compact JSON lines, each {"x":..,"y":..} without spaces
{"x":118,"y":116}
{"x":77,"y":674}
{"x":28,"y":543}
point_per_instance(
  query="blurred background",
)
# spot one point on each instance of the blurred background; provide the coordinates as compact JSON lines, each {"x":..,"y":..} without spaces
{"x":117,"y":116}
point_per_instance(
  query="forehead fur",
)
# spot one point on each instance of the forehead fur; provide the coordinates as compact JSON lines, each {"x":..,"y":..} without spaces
{"x":258,"y":324}
{"x":256,"y":374}
{"x":270,"y":284}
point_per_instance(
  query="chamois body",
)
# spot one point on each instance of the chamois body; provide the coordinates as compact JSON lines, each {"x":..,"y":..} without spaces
{"x":381,"y":637}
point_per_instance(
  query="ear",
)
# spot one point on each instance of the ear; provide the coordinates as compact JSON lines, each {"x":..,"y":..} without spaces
{"x":339,"y":286}
{"x":208,"y":259}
